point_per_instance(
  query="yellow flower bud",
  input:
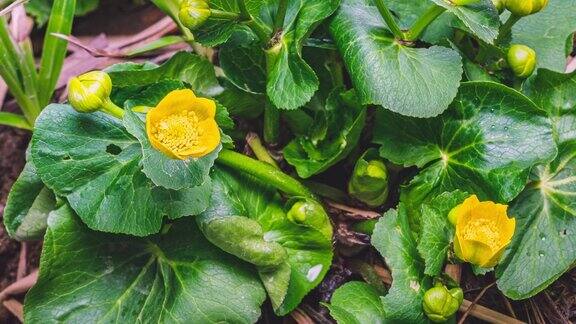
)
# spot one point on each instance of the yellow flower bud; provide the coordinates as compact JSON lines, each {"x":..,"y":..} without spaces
{"x":183,"y":126}
{"x":483,"y":231}
{"x":523,"y":8}
{"x":194,"y":13}
{"x":88,"y":92}
{"x":522,"y":60}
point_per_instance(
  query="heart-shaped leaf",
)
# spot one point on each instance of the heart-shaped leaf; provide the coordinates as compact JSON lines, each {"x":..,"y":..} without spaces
{"x":419,"y":82}
{"x":177,"y":276}
{"x":247,"y":218}
{"x":485,"y":144}
{"x":543,"y":246}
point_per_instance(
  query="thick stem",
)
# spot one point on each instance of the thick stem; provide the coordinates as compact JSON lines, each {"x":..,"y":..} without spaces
{"x":271,"y":124}
{"x":111,"y":109}
{"x":426,"y":19}
{"x":264,"y":172}
{"x":224,"y":14}
{"x":506,"y":29}
{"x":389,"y":19}
{"x":259,"y":150}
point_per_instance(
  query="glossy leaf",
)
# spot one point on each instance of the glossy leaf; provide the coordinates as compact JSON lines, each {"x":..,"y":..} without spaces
{"x":419,"y":82}
{"x":28,"y":206}
{"x":543,"y":247}
{"x":394,"y":240}
{"x":356,"y":303}
{"x":485,"y":144}
{"x":176,"y":276}
{"x":247,"y":218}
{"x":554,"y":92}
{"x":481,"y":17}
{"x":547,"y":32}
{"x":96,"y":164}
{"x":342,"y":121}
{"x":437,"y":232}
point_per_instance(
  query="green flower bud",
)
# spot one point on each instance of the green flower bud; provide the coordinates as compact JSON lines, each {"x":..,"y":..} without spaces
{"x":463,"y":2}
{"x":194,"y":13}
{"x":523,"y":8}
{"x":369,"y":181}
{"x":499,"y":4}
{"x":440,"y":303}
{"x":88,"y":92}
{"x":303,"y":210}
{"x":522,"y":60}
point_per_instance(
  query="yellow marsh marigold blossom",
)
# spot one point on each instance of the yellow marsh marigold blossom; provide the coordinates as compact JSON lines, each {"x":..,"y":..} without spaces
{"x":183,"y":126}
{"x":483,"y":230}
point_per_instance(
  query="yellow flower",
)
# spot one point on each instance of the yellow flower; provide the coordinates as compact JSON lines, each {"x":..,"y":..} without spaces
{"x":483,"y":230}
{"x":183,"y":126}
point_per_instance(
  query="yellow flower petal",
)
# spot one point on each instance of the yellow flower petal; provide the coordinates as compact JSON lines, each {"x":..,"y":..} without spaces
{"x":182,"y":126}
{"x":483,"y":230}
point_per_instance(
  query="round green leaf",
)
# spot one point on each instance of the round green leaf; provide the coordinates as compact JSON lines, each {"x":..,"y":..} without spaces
{"x":176,"y":276}
{"x":419,"y":82}
{"x":485,"y":144}
{"x":544,"y":243}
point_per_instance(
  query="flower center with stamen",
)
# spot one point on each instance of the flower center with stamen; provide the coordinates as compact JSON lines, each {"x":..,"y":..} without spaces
{"x":483,"y":230}
{"x":179,"y":132}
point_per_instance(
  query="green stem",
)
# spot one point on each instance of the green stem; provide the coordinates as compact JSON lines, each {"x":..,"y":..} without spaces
{"x":423,"y":21}
{"x":224,"y":14}
{"x":506,"y":29}
{"x":389,"y":19}
{"x":271,"y":123}
{"x":111,"y":109}
{"x":264,"y":172}
{"x":259,"y":150}
{"x":280,"y":15}
{"x":244,"y":13}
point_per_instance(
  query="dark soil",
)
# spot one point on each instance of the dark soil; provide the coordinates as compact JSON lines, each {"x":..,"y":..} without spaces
{"x":13,"y":145}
